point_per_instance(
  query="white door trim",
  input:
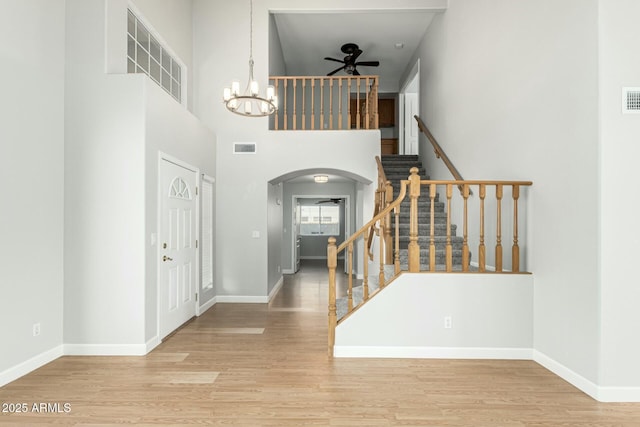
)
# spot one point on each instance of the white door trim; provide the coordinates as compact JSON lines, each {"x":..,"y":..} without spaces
{"x":413,"y":74}
{"x":171,"y":159}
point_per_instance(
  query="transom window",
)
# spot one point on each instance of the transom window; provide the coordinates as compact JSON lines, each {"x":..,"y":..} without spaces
{"x":146,"y":55}
{"x":320,"y":220}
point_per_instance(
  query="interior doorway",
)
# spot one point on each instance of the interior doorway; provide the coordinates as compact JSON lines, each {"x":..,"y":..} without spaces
{"x":410,"y":107}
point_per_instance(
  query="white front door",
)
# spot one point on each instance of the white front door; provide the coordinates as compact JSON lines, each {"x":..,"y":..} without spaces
{"x":178,"y":253}
{"x":410,"y":123}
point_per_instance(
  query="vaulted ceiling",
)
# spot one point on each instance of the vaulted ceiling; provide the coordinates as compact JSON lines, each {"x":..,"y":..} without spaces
{"x":307,"y":38}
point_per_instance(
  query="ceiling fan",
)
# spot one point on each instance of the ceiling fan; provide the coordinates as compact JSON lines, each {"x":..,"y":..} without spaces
{"x":353,"y":52}
{"x":335,"y":201}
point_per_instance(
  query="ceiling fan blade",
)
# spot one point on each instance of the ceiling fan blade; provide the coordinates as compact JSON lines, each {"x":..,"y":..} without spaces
{"x":333,"y":59}
{"x":368,"y":63}
{"x":336,"y":70}
{"x":355,"y":54}
{"x":355,"y":72}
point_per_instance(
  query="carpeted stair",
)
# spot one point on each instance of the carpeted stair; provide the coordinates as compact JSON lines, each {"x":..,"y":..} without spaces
{"x":396,"y":168}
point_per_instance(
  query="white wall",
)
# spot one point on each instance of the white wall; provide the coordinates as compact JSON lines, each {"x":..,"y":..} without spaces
{"x":31,"y":213}
{"x":491,"y":317}
{"x":536,"y":116}
{"x":274,"y":234}
{"x":242,"y":196}
{"x":619,"y":238}
{"x":172,"y":19}
{"x":104,"y":192}
{"x":115,"y":126}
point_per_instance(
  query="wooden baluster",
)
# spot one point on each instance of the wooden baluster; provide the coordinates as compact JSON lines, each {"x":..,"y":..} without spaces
{"x":321,"y":104}
{"x":357,"y":103}
{"x":432,"y":231}
{"x":332,"y":263}
{"x":331,"y":104}
{"x":396,"y":212}
{"x":365,"y":260}
{"x":349,"y":112}
{"x":376,"y":120}
{"x":366,"y":117}
{"x":465,"y":230}
{"x":499,"y":228}
{"x":515,"y":249}
{"x":449,"y":248}
{"x":414,"y":247}
{"x":304,"y":104}
{"x":381,"y":254}
{"x":295,"y":104}
{"x":340,"y":104}
{"x":276,"y":119}
{"x":350,"y":275}
{"x":313,"y":104}
{"x":481,"y":249}
{"x":284,"y":102}
{"x":388,"y":240}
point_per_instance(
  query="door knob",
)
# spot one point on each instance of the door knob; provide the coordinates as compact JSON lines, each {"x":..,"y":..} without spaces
{"x":166,"y":258}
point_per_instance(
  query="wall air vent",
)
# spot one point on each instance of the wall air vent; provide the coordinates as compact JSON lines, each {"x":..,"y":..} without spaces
{"x":631,"y":100}
{"x":244,"y":148}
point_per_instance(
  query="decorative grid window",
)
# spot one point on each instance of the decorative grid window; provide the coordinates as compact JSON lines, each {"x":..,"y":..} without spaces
{"x":179,"y":189}
{"x":631,"y":99}
{"x":319,"y":220}
{"x":146,"y":55}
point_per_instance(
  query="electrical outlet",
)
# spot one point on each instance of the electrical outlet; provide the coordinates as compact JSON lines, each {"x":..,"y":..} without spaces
{"x":448,"y":322}
{"x":36,"y":329}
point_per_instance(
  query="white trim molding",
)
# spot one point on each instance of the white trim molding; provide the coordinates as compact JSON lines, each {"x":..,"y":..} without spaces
{"x":433,"y":352}
{"x":276,"y":288}
{"x":30,"y":365}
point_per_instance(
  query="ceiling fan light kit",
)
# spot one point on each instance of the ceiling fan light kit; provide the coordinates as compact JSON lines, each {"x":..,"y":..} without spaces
{"x":250,"y":103}
{"x":353,"y":52}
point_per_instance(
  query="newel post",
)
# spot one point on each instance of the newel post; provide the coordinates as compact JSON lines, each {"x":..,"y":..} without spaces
{"x":414,"y":248}
{"x":332,"y":263}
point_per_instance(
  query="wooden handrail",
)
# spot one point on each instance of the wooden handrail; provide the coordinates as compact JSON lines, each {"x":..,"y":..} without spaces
{"x":440,"y":154}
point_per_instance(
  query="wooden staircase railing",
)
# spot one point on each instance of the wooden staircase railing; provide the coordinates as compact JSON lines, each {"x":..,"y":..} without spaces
{"x":383,"y":197}
{"x":440,"y":154}
{"x":381,"y":223}
{"x":325,"y":103}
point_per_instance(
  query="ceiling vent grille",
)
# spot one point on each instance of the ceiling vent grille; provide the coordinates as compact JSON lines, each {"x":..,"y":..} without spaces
{"x":244,"y":148}
{"x":631,"y":100}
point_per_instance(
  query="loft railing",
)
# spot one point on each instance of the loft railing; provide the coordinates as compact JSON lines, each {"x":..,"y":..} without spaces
{"x":325,"y":103}
{"x":382,"y":224}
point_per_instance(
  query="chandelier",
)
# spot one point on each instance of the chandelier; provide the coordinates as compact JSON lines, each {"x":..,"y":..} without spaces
{"x":250,"y":103}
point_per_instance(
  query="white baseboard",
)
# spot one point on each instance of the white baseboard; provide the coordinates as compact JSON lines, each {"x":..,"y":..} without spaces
{"x":21,"y":369}
{"x":242,"y":299}
{"x":288,"y":271}
{"x":566,"y":374}
{"x":433,"y":352}
{"x":599,"y":393}
{"x":152,"y":343}
{"x":106,"y":349}
{"x":207,"y":305}
{"x":276,"y":288}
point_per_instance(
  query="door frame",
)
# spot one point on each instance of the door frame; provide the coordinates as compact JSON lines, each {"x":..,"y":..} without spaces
{"x":347,"y":218}
{"x":164,"y":157}
{"x":413,"y":74}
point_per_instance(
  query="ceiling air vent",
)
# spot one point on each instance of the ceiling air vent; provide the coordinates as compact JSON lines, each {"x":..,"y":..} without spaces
{"x":244,"y":148}
{"x":631,"y":100}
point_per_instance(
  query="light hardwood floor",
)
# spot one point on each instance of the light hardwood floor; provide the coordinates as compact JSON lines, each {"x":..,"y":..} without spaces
{"x":266,"y":365}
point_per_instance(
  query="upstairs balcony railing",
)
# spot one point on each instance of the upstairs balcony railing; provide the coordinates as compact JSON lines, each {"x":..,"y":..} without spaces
{"x":325,"y":103}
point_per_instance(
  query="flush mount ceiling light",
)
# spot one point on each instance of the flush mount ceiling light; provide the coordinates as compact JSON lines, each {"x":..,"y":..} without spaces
{"x":250,"y":103}
{"x":321,"y":179}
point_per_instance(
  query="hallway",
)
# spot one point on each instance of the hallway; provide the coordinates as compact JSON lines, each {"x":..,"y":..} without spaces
{"x":266,"y":365}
